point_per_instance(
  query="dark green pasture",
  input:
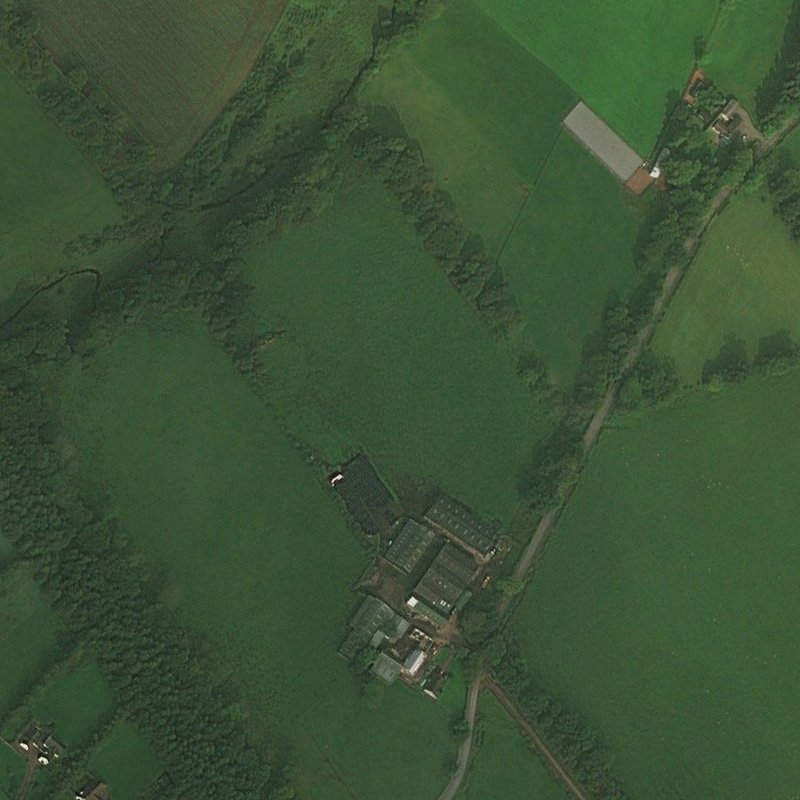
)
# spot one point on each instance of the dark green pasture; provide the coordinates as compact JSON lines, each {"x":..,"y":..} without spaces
{"x":254,"y":553}
{"x":665,"y":607}
{"x":381,"y":352}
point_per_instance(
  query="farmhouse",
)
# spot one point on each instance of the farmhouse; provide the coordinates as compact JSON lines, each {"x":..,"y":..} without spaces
{"x":373,"y":624}
{"x":458,"y":522}
{"x":410,"y":546}
{"x":604,"y":143}
{"x":444,"y":586}
{"x":728,"y":123}
{"x":366,"y":496}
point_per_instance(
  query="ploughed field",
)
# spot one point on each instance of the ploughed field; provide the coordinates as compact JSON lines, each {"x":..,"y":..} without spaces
{"x":665,"y":608}
{"x":170,"y":66}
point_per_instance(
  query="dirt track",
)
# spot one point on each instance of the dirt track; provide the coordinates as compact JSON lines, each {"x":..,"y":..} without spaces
{"x":552,"y":761}
{"x":465,"y":749}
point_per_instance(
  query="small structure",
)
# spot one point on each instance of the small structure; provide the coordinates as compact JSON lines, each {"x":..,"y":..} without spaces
{"x":603,"y":142}
{"x":410,"y":546}
{"x":366,"y":496}
{"x":386,"y":669}
{"x":414,"y":663}
{"x":458,"y":522}
{"x":424,"y":610}
{"x":373,"y":624}
{"x":93,"y":790}
{"x":434,"y":683}
{"x":444,"y":586}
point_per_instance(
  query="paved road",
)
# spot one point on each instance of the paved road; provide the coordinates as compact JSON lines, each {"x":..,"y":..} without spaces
{"x":537,"y":741}
{"x":465,"y":750}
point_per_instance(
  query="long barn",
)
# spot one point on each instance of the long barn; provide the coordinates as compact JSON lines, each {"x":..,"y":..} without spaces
{"x":603,"y":142}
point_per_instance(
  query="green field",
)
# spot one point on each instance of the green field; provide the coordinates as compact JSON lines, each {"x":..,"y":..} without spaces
{"x":126,"y":762}
{"x":50,"y":191}
{"x":254,"y":551}
{"x":28,"y":636}
{"x":745,"y":281}
{"x":505,"y":766}
{"x":665,"y":608}
{"x":622,"y":58}
{"x":12,"y":771}
{"x":485,"y":112}
{"x":573,"y":244}
{"x":743,"y":44}
{"x":75,"y":703}
{"x":381,"y":351}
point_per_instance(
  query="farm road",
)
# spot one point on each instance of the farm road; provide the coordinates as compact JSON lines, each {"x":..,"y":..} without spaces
{"x":465,"y":749}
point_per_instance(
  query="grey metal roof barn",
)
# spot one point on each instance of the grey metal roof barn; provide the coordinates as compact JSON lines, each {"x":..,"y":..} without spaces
{"x":447,"y":578}
{"x":462,"y":523}
{"x":410,"y":545}
{"x":607,"y":145}
{"x":373,"y":616}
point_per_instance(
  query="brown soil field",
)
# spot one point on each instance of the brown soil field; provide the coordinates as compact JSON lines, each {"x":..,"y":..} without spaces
{"x":171,"y":65}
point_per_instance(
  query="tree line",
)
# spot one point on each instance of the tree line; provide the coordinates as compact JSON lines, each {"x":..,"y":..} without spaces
{"x":778,"y":97}
{"x":565,"y":731}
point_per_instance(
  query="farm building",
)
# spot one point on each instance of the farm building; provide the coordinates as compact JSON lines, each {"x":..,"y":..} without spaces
{"x":386,"y":668}
{"x":424,"y":610}
{"x":445,"y":584}
{"x":410,"y":545}
{"x":92,"y":790}
{"x":603,"y":142}
{"x":459,"y":522}
{"x":373,"y":623}
{"x":434,"y":683}
{"x":36,"y":741}
{"x":365,"y":494}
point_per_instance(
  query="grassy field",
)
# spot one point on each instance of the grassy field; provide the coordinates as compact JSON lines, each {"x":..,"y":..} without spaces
{"x":484,"y":110}
{"x":505,"y":766}
{"x":28,"y":636}
{"x":745,"y":281}
{"x":572,"y":245}
{"x":12,"y":771}
{"x":76,"y":703}
{"x":50,"y":191}
{"x":257,"y":556}
{"x":382,"y":352}
{"x":665,"y":608}
{"x":177,"y":63}
{"x":622,"y":58}
{"x":743,"y":44}
{"x":126,"y":762}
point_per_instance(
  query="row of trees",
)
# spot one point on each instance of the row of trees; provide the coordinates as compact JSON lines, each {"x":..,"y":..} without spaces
{"x":732,"y":364}
{"x":161,"y":674}
{"x":472,"y":271}
{"x":783,"y":181}
{"x":778,"y":97}
{"x":577,"y":745}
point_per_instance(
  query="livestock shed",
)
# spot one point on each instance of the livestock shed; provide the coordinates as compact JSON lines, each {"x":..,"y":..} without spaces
{"x":410,"y":545}
{"x":374,"y":619}
{"x":366,"y":496}
{"x":447,"y":579}
{"x":459,"y":522}
{"x":603,"y":142}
